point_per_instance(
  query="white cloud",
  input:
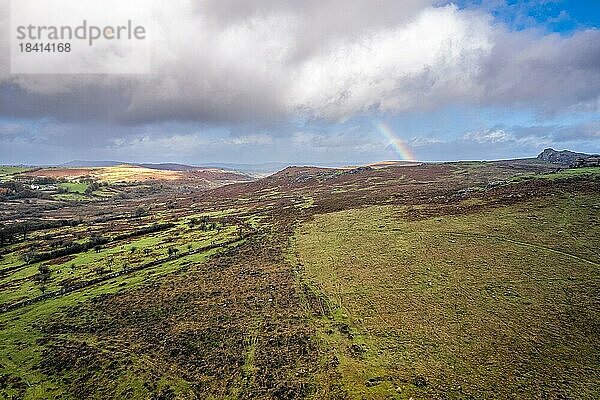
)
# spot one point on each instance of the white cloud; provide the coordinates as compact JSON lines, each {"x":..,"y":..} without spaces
{"x":488,"y":136}
{"x":225,"y":61}
{"x":421,"y":141}
{"x":412,"y":66}
{"x":502,"y":137}
{"x":248,"y":140}
{"x":171,"y":145}
{"x":12,"y":130}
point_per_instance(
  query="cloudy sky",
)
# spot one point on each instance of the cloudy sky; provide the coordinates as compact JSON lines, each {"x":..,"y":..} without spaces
{"x":323,"y":81}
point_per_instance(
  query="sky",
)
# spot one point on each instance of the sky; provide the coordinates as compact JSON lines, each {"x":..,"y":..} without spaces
{"x":323,"y":82}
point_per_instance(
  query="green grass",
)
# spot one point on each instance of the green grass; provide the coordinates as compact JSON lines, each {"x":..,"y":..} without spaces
{"x":75,"y":191}
{"x":498,"y":304}
{"x":74,"y":187}
{"x":104,"y":192}
{"x":20,"y":284}
{"x":564,"y":174}
{"x":10,"y":170}
{"x":307,"y":202}
{"x":21,"y":351}
{"x":22,"y":345}
{"x":7,"y":172}
{"x":70,"y":197}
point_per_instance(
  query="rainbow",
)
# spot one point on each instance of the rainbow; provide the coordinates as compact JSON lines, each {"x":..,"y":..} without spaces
{"x":403,"y":151}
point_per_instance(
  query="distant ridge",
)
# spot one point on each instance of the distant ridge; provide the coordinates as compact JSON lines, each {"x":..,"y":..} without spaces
{"x":254,"y":169}
{"x":172,"y":167}
{"x":91,"y":164}
{"x":158,"y":166}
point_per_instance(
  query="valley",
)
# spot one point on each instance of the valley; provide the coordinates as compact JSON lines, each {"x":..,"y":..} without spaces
{"x":455,"y":280}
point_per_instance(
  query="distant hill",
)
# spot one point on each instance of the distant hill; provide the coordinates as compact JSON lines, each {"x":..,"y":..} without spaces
{"x":91,"y":164}
{"x":252,"y":169}
{"x":564,"y":157}
{"x":255,"y":170}
{"x":173,"y":167}
{"x":264,"y":169}
{"x":261,"y":169}
{"x":159,"y":166}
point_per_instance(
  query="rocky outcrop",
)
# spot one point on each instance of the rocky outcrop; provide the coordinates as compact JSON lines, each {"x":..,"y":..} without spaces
{"x":591,"y":161}
{"x":564,"y":157}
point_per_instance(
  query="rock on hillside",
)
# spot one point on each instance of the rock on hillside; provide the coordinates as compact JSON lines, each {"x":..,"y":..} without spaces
{"x":564,"y":157}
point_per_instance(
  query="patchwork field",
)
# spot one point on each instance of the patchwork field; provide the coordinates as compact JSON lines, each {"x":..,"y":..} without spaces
{"x":132,"y":173}
{"x":6,"y":172}
{"x":423,"y":281}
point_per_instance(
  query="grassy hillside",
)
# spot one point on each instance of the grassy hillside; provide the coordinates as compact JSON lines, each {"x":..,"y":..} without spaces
{"x":500,"y":303}
{"x":39,"y":358}
{"x":429,"y":281}
{"x":7,"y":171}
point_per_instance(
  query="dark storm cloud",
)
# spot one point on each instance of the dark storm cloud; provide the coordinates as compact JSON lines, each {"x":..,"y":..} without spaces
{"x":213,"y":97}
{"x":231,"y":62}
{"x":12,"y":131}
{"x":558,"y":133}
{"x":82,"y":103}
{"x":587,"y":131}
{"x":549,"y":72}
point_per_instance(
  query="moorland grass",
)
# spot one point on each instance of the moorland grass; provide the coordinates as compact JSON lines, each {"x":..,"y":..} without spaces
{"x":502,"y":303}
{"x":21,"y":351}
